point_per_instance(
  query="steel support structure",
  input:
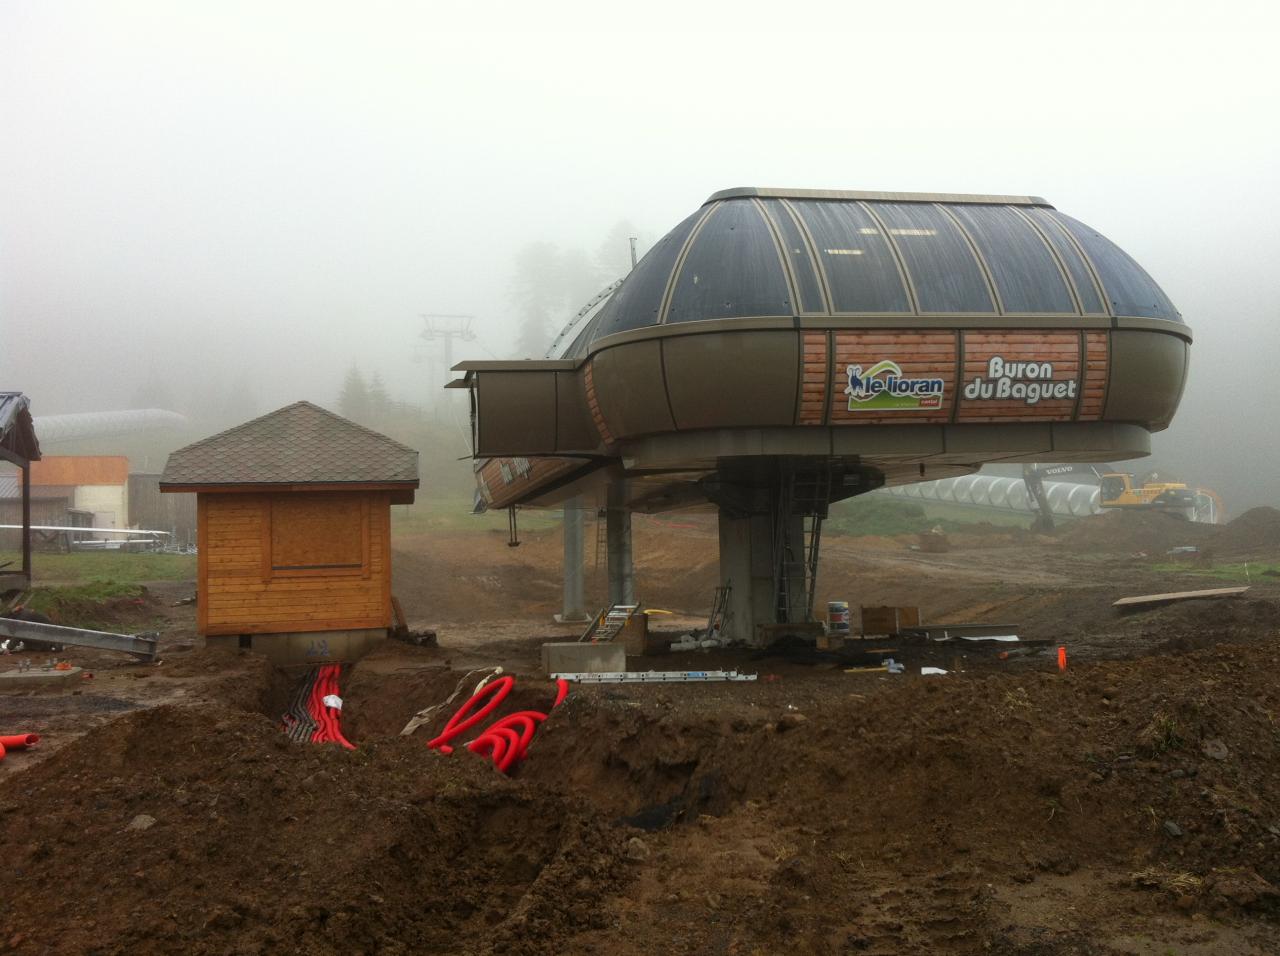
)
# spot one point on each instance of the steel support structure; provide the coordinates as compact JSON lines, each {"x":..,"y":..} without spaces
{"x":573,"y":607}
{"x":622,"y":583}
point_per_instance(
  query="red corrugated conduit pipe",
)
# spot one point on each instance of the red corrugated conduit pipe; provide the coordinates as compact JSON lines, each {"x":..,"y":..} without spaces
{"x":324,"y":694}
{"x":505,"y":741}
{"x":17,"y":742}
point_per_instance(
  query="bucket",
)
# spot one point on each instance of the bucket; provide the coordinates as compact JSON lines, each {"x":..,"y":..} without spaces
{"x":838,"y":617}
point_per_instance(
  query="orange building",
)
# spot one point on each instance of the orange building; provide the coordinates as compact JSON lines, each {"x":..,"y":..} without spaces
{"x":95,"y":484}
{"x":294,"y":532}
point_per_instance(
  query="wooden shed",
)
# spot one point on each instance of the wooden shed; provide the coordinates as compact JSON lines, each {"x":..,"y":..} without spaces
{"x":293,"y":515}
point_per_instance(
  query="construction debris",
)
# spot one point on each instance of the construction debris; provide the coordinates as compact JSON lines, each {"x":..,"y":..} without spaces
{"x":945,"y":632}
{"x":424,"y":716}
{"x":17,"y":742}
{"x":561,"y":656}
{"x":139,"y":645}
{"x":888,"y":620}
{"x":653,"y":677}
{"x":1144,"y":601}
{"x":605,"y":626}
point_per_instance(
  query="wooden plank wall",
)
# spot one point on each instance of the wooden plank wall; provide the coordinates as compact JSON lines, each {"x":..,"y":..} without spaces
{"x":593,"y":404}
{"x":939,"y":354}
{"x":149,"y":508}
{"x":813,"y":379}
{"x":239,"y":593}
{"x":1062,"y":349}
{"x":1095,"y":376}
{"x":919,"y":354}
{"x":501,"y":492}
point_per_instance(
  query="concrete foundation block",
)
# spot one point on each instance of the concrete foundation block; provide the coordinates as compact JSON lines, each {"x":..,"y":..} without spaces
{"x":298,"y":649}
{"x":38,"y":680}
{"x":573,"y":657}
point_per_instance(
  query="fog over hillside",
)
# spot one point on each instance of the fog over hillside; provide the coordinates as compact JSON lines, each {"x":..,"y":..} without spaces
{"x":221,"y":208}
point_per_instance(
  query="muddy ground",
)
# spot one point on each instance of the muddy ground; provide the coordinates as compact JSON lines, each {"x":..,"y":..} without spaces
{"x":1130,"y":805}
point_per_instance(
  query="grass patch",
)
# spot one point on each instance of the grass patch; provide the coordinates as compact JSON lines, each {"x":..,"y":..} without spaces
{"x":1162,"y":734}
{"x":99,"y":605}
{"x":1245,"y":572}
{"x":122,"y":567}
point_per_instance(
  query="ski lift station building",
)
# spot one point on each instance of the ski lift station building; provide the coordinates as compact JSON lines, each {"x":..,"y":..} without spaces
{"x":779,"y":350}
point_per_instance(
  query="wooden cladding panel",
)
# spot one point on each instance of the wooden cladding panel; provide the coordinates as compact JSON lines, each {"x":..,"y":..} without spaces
{"x":962,"y":359}
{"x":241,"y":589}
{"x":313,"y":532}
{"x":814,"y":362}
{"x":504,"y":483}
{"x":1095,"y":376}
{"x":917,"y":354}
{"x":1060,"y":350}
{"x":593,"y":405}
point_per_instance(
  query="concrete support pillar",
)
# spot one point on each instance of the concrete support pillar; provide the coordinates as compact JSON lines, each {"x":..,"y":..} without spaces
{"x":622,"y":584}
{"x":573,"y":608}
{"x":747,"y":567}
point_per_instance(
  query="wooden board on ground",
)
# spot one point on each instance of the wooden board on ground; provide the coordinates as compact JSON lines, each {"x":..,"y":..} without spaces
{"x":1142,"y":601}
{"x":947,"y":632}
{"x":888,"y":620}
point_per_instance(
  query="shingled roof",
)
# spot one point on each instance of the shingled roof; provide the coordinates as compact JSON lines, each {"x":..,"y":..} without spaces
{"x":299,"y":444}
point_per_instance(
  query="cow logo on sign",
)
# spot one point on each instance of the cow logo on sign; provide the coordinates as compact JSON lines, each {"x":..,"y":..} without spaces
{"x":884,"y":388}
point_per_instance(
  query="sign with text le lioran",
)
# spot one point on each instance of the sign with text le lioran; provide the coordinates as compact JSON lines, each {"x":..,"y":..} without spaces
{"x":884,"y":387}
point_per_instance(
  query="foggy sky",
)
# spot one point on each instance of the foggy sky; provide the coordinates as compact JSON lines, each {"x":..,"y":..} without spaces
{"x":256,"y":195}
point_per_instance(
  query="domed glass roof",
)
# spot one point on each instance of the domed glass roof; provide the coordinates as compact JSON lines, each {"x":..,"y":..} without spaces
{"x":759,"y":253}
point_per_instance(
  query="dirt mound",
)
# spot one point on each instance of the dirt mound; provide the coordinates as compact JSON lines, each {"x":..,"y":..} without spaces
{"x":1258,"y":529}
{"x":829,"y":814}
{"x":815,"y":824}
{"x":102,"y":605}
{"x":1197,"y":625}
{"x":182,"y":830}
{"x":1128,"y":532}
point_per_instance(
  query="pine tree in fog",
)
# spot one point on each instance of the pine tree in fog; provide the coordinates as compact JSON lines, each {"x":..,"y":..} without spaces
{"x":537,"y":288}
{"x":379,"y":400}
{"x":353,"y":400}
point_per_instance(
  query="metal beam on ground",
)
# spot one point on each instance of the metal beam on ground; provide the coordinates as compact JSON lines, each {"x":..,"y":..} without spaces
{"x":144,"y":646}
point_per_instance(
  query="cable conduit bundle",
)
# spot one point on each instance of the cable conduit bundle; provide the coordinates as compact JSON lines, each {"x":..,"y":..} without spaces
{"x":506,"y":741}
{"x":315,"y":709}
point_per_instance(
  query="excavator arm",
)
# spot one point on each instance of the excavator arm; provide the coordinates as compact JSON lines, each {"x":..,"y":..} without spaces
{"x":1034,"y":477}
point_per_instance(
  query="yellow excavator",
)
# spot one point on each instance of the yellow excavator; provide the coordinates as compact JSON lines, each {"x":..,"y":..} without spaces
{"x":1118,"y":489}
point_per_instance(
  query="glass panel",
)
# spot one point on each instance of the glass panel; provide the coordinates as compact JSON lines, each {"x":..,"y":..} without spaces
{"x":586,"y":335}
{"x":731,"y":270}
{"x":943,"y":270}
{"x":1130,"y":289}
{"x":1090,"y":304}
{"x":798,"y":252}
{"x":861,"y":270}
{"x":636,"y":304}
{"x":1024,"y":270}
